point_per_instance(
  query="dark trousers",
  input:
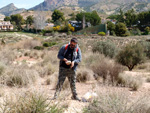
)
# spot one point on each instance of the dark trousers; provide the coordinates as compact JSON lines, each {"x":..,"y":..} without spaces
{"x":71,"y":75}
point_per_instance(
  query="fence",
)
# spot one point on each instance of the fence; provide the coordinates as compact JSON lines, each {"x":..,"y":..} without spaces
{"x":93,"y":29}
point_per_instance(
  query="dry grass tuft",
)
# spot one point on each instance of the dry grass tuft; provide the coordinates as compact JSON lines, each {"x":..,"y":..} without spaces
{"x":133,"y":82}
{"x":27,"y":44}
{"x":118,"y":102}
{"x":144,"y":66}
{"x":84,"y":75}
{"x":30,"y":103}
{"x":7,"y":55}
{"x":18,"y":76}
{"x":106,"y":68}
{"x":46,"y":70}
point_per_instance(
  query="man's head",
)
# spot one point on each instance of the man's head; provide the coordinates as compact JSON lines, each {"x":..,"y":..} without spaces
{"x":73,"y":43}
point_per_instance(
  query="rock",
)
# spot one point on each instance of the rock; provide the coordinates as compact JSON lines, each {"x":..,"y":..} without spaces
{"x":89,"y":96}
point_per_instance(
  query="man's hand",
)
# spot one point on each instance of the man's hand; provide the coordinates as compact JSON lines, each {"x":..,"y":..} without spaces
{"x":68,"y":62}
{"x":65,"y":60}
{"x":72,"y":64}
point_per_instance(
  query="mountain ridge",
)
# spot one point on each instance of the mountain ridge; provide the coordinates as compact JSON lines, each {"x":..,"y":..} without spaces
{"x":102,"y":6}
{"x":11,"y":9}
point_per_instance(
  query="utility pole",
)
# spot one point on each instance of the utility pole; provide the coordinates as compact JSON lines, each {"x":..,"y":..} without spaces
{"x":83,"y":22}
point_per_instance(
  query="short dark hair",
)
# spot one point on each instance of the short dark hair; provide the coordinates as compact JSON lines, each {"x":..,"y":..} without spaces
{"x":74,"y":40}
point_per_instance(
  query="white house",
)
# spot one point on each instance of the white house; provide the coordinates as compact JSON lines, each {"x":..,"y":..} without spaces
{"x":6,"y":25}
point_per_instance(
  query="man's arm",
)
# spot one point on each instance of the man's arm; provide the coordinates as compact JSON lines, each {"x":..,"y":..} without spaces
{"x":61,"y":53}
{"x":79,"y":57}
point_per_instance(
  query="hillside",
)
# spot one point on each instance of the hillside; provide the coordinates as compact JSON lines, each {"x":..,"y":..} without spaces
{"x":111,"y":7}
{"x":66,"y":10}
{"x":11,"y":9}
{"x":102,"y":6}
{"x":28,"y":77}
{"x":52,"y":4}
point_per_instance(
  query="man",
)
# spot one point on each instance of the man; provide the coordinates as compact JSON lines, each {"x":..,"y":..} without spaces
{"x":70,"y":56}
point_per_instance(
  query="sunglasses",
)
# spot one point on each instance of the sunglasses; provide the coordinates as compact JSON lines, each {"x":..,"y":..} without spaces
{"x":72,"y":45}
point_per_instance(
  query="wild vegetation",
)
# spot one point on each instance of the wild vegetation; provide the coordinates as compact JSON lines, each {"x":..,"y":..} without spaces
{"x":29,"y":65}
{"x":31,"y":74}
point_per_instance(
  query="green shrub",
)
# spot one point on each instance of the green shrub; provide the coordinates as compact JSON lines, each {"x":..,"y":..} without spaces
{"x":44,"y":31}
{"x":107,"y":48}
{"x":52,"y":43}
{"x":46,"y":44}
{"x":113,"y":33}
{"x":85,"y":33}
{"x":147,"y":30}
{"x":135,"y":31}
{"x":131,"y":55}
{"x":38,"y":47}
{"x":69,"y":33}
{"x":101,"y":33}
{"x":121,"y":29}
{"x":49,"y":44}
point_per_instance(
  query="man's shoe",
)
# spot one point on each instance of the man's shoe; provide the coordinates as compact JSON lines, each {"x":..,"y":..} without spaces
{"x":75,"y":98}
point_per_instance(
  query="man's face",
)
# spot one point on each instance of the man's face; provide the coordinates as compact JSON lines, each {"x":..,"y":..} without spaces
{"x":73,"y":45}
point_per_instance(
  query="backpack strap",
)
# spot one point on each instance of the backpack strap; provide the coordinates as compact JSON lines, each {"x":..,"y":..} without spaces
{"x":66,"y":47}
{"x":77,"y":49}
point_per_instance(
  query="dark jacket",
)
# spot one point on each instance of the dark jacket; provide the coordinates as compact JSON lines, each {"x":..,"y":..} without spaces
{"x":77,"y":55}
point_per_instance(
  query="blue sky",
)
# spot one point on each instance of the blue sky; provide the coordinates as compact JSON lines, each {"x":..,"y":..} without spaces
{"x":20,"y":3}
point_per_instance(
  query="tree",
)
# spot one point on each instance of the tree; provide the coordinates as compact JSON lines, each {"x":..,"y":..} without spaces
{"x":7,"y":18}
{"x":48,"y":20}
{"x":121,"y":16}
{"x":120,"y":29}
{"x":95,"y":19}
{"x":58,"y":15}
{"x":143,"y":18}
{"x":73,"y":16}
{"x":92,"y":17}
{"x":30,"y":20}
{"x":39,"y":20}
{"x":111,"y":27}
{"x":18,"y":20}
{"x":131,"y":55}
{"x":131,"y":18}
{"x":115,"y":17}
